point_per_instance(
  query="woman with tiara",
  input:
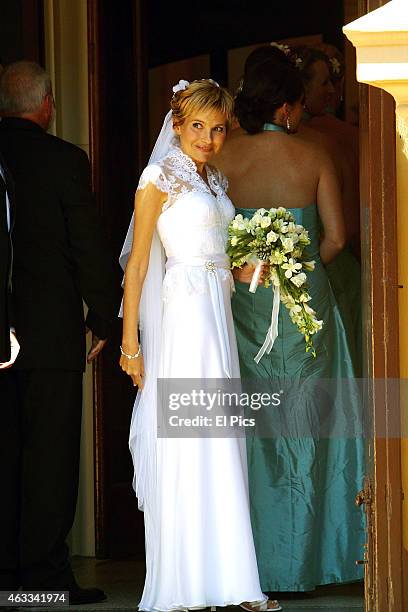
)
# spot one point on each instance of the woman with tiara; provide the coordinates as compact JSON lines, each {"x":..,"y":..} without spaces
{"x":193,"y":491}
{"x":302,"y":482}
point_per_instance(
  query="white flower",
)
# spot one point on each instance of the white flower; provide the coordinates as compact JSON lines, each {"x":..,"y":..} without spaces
{"x":284,"y":48}
{"x":308,"y":309}
{"x":239,"y":223}
{"x":309,"y":266}
{"x":277,"y":257}
{"x":335,"y":64}
{"x":256,"y":219}
{"x":291,"y":268}
{"x":296,"y":309}
{"x":271,"y":237}
{"x":181,"y":85}
{"x":266,"y":221}
{"x":287,"y":299}
{"x":288,"y":245}
{"x":293,"y":236}
{"x":299,"y":279}
{"x":305,"y":297}
{"x":317,"y":324}
{"x":304,"y":237}
{"x":234,"y":241}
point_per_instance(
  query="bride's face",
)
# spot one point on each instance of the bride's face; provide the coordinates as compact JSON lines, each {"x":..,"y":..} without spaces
{"x":202,"y":135}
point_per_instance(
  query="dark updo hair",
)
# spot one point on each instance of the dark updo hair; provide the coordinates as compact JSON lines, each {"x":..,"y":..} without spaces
{"x":305,"y":57}
{"x":262,"y":54}
{"x":270,"y":80}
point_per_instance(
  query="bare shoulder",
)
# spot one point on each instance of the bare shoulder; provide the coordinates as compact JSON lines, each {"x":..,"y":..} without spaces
{"x":226,"y":159}
{"x":315,"y":144}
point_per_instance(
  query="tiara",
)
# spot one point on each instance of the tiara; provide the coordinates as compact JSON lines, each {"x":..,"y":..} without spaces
{"x":284,"y":48}
{"x":290,"y":54}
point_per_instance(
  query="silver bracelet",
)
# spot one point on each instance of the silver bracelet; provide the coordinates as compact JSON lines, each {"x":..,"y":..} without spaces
{"x":135,"y":356}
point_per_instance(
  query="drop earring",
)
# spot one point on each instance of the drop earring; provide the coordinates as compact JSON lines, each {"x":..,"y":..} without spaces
{"x":288,"y":124}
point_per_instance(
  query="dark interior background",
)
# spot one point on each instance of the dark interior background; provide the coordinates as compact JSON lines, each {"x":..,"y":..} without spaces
{"x":134,"y":35}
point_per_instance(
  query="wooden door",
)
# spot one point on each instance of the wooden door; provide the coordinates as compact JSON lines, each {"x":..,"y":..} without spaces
{"x":382,"y":497}
{"x":118,"y":95}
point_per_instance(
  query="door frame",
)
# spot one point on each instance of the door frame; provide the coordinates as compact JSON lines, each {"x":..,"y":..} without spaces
{"x":379,"y":253}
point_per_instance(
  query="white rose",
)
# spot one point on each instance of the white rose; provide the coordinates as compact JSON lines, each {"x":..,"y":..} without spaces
{"x":271,"y":237}
{"x":266,"y":221}
{"x":256,"y":219}
{"x":287,"y":244}
{"x":299,"y":279}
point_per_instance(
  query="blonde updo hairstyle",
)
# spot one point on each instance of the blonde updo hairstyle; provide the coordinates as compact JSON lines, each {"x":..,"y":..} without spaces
{"x":201,"y":95}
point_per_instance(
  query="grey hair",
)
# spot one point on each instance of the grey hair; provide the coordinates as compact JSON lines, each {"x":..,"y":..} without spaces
{"x":23,"y":87}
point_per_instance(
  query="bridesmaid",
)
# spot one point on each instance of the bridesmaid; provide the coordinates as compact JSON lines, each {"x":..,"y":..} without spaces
{"x":344,"y":132}
{"x":344,"y":271}
{"x":307,"y":529}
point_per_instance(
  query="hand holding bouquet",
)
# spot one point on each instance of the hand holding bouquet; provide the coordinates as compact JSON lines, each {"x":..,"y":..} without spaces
{"x":273,"y":236}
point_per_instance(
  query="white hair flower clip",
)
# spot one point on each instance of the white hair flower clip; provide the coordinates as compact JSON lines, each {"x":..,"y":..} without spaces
{"x":214,"y":82}
{"x":335,"y":65}
{"x":284,"y":48}
{"x":181,"y":85}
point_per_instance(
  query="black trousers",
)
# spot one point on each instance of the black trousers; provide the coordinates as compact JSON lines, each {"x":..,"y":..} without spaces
{"x":40,"y":428}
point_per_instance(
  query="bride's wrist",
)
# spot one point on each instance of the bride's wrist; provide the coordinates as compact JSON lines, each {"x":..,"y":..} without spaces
{"x":130,"y":347}
{"x":132,"y":355}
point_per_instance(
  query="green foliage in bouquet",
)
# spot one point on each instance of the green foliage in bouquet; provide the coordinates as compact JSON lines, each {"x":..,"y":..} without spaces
{"x":274,"y":236}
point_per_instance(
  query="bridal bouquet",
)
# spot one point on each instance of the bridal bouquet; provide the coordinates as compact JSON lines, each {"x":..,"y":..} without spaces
{"x":273,"y":237}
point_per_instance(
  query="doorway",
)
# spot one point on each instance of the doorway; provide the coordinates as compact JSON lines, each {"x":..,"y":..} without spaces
{"x":129,"y":45}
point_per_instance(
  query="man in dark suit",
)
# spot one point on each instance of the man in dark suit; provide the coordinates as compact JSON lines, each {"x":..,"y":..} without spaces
{"x":8,"y":343}
{"x":60,"y":259}
{"x":7,"y":337}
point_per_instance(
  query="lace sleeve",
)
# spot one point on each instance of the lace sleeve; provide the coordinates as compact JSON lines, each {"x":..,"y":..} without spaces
{"x":153,"y":173}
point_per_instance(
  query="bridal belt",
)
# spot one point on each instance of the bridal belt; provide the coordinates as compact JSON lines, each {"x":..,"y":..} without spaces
{"x":210,"y":265}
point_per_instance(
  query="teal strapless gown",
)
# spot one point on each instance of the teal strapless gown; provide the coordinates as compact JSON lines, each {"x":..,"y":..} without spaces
{"x":344,"y":274}
{"x":307,"y":529}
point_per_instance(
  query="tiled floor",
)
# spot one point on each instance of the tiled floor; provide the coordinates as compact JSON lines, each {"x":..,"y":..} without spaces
{"x":123,"y":582}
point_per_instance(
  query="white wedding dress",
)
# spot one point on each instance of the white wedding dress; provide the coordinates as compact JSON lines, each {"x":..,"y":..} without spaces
{"x":193,"y":491}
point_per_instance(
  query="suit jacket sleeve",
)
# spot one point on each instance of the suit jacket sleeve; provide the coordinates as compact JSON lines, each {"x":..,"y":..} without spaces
{"x":89,"y":247}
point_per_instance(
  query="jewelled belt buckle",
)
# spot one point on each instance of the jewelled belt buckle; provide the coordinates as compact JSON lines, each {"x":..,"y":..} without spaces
{"x":210,"y":266}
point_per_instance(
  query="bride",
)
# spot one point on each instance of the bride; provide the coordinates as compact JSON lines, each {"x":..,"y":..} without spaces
{"x":193,"y":491}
